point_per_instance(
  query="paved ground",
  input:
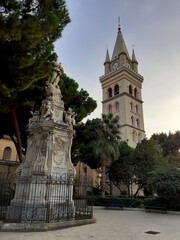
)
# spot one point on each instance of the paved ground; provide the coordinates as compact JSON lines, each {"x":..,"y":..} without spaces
{"x":112,"y":225}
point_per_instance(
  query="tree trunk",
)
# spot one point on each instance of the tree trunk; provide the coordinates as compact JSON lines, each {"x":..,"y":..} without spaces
{"x":103,"y":179}
{"x":17,"y":133}
{"x":139,"y":188}
{"x":111,"y":188}
{"x":128,"y":190}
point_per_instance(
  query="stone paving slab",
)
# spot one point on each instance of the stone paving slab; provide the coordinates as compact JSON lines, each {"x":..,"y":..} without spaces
{"x":112,"y":225}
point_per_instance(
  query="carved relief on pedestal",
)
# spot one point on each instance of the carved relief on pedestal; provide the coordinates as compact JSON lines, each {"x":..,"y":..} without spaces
{"x":40,"y":165}
{"x":59,"y":152}
{"x":58,"y":114}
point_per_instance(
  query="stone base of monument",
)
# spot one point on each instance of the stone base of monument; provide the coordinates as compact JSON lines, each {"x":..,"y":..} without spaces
{"x":40,"y":212}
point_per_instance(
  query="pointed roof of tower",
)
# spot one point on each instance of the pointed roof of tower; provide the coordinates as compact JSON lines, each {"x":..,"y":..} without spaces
{"x":107,"y":59}
{"x":120,"y":46}
{"x":134,"y":56}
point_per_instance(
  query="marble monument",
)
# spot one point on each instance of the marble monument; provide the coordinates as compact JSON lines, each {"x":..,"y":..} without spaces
{"x":44,"y":182}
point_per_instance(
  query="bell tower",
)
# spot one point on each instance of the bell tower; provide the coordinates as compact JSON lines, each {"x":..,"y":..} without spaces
{"x":121,"y":90}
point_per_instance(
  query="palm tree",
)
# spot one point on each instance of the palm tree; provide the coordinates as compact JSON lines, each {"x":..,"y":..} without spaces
{"x":106,"y":147}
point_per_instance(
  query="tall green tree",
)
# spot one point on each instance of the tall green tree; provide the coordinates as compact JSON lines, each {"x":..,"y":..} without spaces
{"x":165,"y":181}
{"x":105,"y":146}
{"x":145,"y":157}
{"x":121,"y":171}
{"x":82,"y":149}
{"x":28,"y":30}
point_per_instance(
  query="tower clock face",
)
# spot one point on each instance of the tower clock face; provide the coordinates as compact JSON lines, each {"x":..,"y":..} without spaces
{"x":114,"y":65}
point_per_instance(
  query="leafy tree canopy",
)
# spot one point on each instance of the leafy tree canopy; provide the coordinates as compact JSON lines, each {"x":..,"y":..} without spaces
{"x":165,"y":181}
{"x":145,"y":159}
{"x":121,"y":171}
{"x":169,"y":143}
{"x":78,"y":100}
{"x":82,"y":149}
{"x":28,"y":30}
{"x":105,"y":146}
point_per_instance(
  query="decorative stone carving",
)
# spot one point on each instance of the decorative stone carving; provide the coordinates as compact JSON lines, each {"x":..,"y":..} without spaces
{"x":46,"y":110}
{"x":70,"y":117}
{"x":40,"y":165}
{"x":52,"y":85}
{"x":34,"y":119}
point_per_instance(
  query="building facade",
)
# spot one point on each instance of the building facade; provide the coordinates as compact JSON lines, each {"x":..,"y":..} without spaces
{"x":121,"y":91}
{"x":8,"y":156}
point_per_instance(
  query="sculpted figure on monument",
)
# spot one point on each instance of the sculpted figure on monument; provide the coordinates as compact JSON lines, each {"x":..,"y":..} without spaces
{"x":34,"y":119}
{"x":48,"y":111}
{"x":73,"y":120}
{"x":70,"y":117}
{"x":52,"y":85}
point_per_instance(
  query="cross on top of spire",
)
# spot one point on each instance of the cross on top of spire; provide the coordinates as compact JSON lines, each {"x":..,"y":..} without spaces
{"x":119,"y":28}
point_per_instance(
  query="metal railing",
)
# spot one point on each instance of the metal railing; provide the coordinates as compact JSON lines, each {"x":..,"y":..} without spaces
{"x":44,"y":199}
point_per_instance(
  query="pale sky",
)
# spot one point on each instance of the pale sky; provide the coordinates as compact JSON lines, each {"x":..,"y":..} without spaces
{"x":153,"y":27}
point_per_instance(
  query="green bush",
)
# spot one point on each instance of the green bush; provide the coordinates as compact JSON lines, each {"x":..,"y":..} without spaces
{"x":131,"y":202}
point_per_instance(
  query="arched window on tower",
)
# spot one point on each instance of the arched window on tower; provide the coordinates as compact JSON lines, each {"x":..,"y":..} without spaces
{"x":135,"y":92}
{"x":110,"y":92}
{"x":137,"y":109}
{"x":116,"y":90}
{"x":117,"y":107}
{"x":132,"y":121}
{"x":137,"y":122}
{"x":139,"y":137}
{"x":134,"y":136}
{"x":7,"y":153}
{"x":130,"y":89}
{"x":110,"y":109}
{"x":131,"y":106}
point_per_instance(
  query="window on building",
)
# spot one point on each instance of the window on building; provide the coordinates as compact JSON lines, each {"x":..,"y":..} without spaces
{"x":7,"y":153}
{"x":132,"y":121}
{"x":130,"y":89}
{"x":131,"y":106}
{"x":137,"y":109}
{"x":134,"y":136}
{"x":117,"y":106}
{"x":137,"y":122}
{"x":135,"y":92}
{"x":116,"y":90}
{"x":110,"y":109}
{"x":139,"y":137}
{"x":110,"y":92}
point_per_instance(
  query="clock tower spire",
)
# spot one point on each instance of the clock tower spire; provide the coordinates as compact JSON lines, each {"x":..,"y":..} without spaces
{"x":121,"y":87}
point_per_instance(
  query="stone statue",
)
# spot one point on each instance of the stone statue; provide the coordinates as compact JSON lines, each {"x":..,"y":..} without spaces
{"x":73,"y":120}
{"x":52,"y":85}
{"x":70,"y":117}
{"x":46,"y":110}
{"x":57,"y":71}
{"x":34,"y":119}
